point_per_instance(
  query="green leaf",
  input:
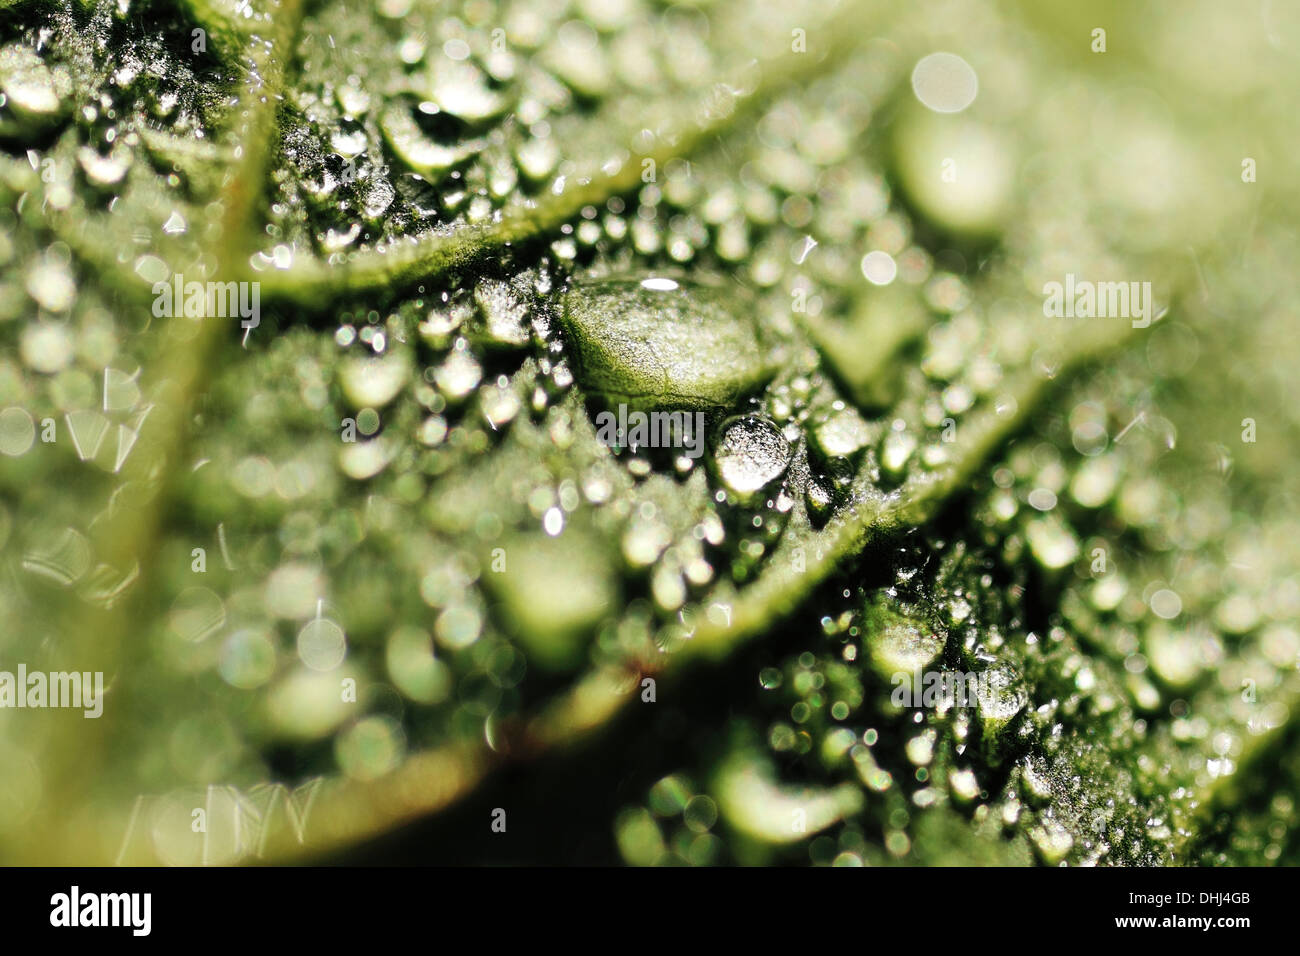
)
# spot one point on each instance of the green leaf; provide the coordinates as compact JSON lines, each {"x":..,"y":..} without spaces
{"x":343,"y":554}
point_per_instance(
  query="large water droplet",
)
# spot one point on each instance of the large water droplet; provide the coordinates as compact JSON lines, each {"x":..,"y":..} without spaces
{"x":33,"y":93}
{"x":899,"y":643}
{"x":665,"y":342}
{"x":417,"y":150}
{"x":462,"y":90}
{"x":1002,"y":696}
{"x":503,"y":315}
{"x":373,"y":383}
{"x":751,"y":455}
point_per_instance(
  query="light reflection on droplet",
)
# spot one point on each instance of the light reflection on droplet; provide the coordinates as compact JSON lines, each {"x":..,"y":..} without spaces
{"x":879,"y":268}
{"x":944,"y":82}
{"x":553,"y":521}
{"x":1166,"y":604}
{"x":17,"y":431}
{"x":322,"y":645}
{"x":196,"y":614}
